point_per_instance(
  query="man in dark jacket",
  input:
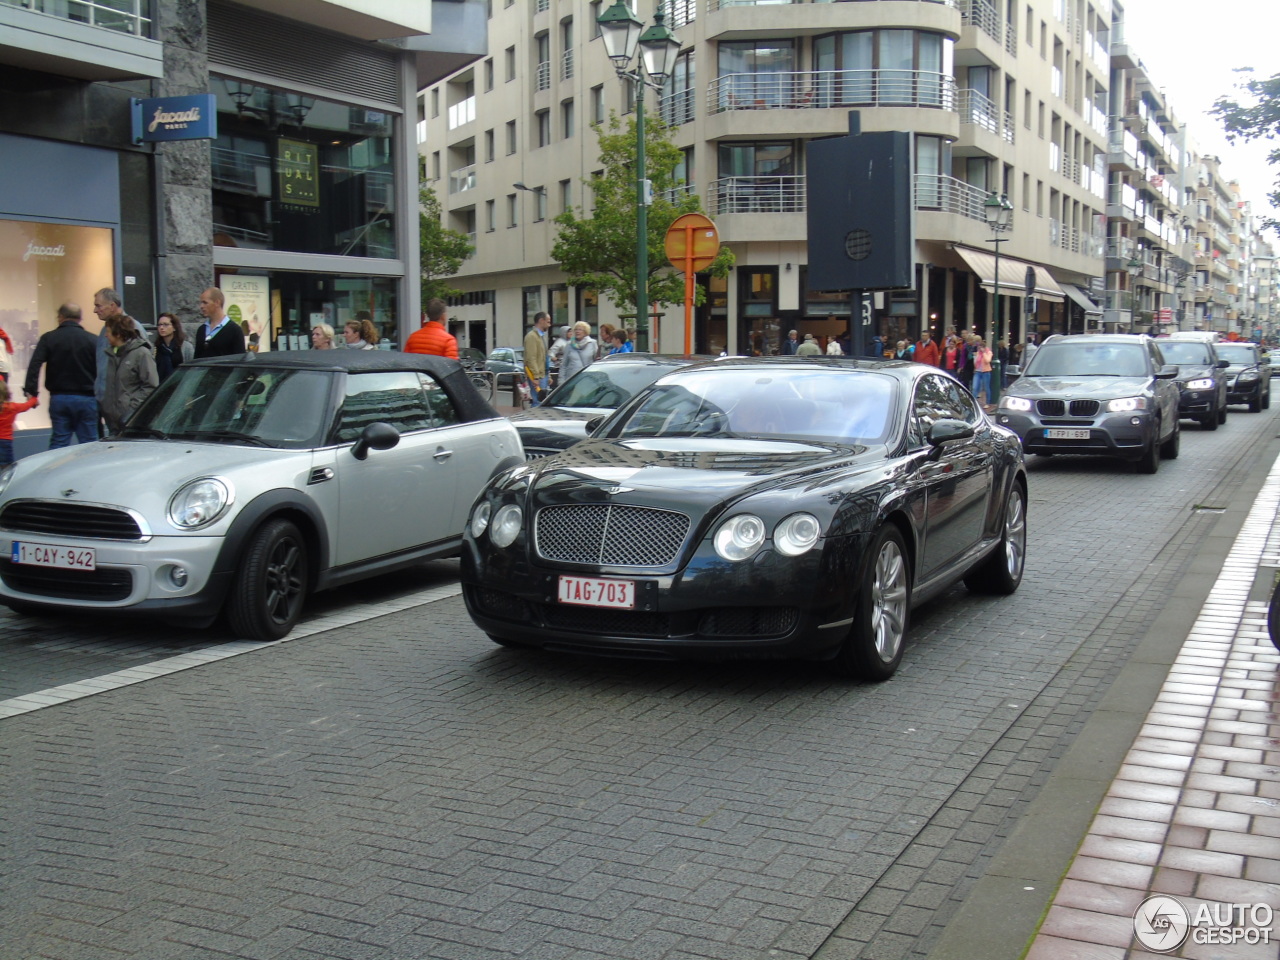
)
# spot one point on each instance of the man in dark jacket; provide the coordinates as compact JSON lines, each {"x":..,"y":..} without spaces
{"x":218,"y":336}
{"x":69,"y":354}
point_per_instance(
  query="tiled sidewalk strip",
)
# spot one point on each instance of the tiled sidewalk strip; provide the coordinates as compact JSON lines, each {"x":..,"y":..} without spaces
{"x":160,"y":668}
{"x":1195,"y":810}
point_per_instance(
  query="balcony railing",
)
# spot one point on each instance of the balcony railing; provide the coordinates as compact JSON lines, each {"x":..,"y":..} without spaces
{"x":122,"y":15}
{"x":946,"y":194}
{"x":566,"y":65}
{"x":981,"y":111}
{"x":542,"y":76}
{"x":677,"y":108}
{"x":462,"y":179}
{"x":820,"y":89}
{"x":983,"y":15}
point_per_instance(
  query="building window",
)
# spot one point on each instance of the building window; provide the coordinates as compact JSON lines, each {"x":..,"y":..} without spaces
{"x":594,"y":14}
{"x":912,"y":67}
{"x":511,"y":210}
{"x":539,"y":204}
{"x":754,"y":73}
{"x":597,"y":104}
{"x":758,"y":177}
{"x":566,"y":49}
{"x":566,"y":118}
{"x":542,"y":120}
{"x":435,"y":102}
{"x":678,"y":92}
{"x":490,"y":216}
{"x":566,"y":196}
{"x":489,"y":148}
{"x":488,"y":75}
{"x":542,"y":49}
{"x":435,"y":165}
{"x":511,"y":137}
{"x":511,"y":63}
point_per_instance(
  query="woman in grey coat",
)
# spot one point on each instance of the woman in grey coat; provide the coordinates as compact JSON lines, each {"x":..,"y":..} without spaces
{"x":579,"y":352}
{"x":131,"y":372}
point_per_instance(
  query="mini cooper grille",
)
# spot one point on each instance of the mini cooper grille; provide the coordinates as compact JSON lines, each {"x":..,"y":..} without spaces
{"x":610,"y":534}
{"x":104,"y":583}
{"x":69,"y":520}
{"x":1084,"y":408}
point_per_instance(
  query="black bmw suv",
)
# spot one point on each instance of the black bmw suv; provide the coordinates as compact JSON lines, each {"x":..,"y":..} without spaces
{"x":1248,"y":375}
{"x":1202,"y":380}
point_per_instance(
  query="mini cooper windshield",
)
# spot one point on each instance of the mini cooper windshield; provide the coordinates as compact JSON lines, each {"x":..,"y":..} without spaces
{"x":1080,"y":359}
{"x":841,"y":406}
{"x":256,"y":405}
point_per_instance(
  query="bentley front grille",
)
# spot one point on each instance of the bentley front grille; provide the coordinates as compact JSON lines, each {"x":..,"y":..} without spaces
{"x":603,"y":534}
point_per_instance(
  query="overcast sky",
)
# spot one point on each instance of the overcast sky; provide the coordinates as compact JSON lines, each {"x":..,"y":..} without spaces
{"x":1190,"y":50}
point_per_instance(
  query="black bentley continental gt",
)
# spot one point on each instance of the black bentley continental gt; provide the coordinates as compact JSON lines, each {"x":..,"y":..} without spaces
{"x":753,"y":508}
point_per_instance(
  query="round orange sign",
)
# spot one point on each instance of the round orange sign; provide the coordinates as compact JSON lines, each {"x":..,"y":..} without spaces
{"x":692,"y":234}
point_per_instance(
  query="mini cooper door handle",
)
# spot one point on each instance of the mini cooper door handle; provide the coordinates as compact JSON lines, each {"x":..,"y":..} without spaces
{"x":442,"y":454}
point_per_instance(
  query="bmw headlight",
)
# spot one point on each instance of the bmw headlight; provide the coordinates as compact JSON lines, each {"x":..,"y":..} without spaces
{"x":6,"y":474}
{"x":796,"y":534}
{"x":1248,"y":375}
{"x":199,"y":503}
{"x":1015,"y":404}
{"x":1204,"y":384}
{"x":1126,"y":404}
{"x":506,"y":525}
{"x":739,"y":537}
{"x":480,"y":519}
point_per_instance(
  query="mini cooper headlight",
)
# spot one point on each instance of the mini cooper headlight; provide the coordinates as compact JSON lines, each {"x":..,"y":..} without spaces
{"x":480,"y":519}
{"x":199,"y":503}
{"x":1126,"y":404}
{"x":1203,"y":384}
{"x":739,"y":537}
{"x":796,"y":534}
{"x":6,"y":474}
{"x":1016,"y":404}
{"x":506,"y":525}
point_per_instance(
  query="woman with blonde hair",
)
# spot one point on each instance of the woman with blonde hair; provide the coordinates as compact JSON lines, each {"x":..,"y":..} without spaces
{"x":322,"y":337}
{"x":360,"y":334}
{"x":579,"y":353}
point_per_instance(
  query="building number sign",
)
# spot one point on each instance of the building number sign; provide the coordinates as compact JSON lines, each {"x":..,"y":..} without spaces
{"x":298,"y":172}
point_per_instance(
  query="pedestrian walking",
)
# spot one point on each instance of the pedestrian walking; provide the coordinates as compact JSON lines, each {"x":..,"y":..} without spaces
{"x":322,"y":337}
{"x":9,"y":411}
{"x":218,"y":336}
{"x":131,"y":373}
{"x":361,"y":335}
{"x":432,"y":338}
{"x":927,"y":350}
{"x":68,"y":353}
{"x":833,"y":348}
{"x":791,"y":344}
{"x":172,"y":348}
{"x":537,"y":369}
{"x":107,"y":304}
{"x":809,"y":348}
{"x":877,"y":347}
{"x":580,"y":352}
{"x":1029,"y":350}
{"x":621,"y":344}
{"x":982,"y":371}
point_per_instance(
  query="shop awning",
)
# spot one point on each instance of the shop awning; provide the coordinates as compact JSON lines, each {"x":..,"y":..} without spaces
{"x":1013,"y":275}
{"x":1081,"y":299}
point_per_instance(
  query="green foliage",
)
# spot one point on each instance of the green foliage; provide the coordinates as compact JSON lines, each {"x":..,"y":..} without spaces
{"x":442,"y":250}
{"x":599,"y":252}
{"x":1254,"y":116}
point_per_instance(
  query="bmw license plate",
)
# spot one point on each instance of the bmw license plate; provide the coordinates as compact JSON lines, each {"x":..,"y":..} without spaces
{"x":1064,"y":433}
{"x":590,"y":592}
{"x":52,"y":555}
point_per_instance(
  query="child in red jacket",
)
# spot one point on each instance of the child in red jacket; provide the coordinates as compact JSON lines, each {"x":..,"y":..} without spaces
{"x":8,"y":413}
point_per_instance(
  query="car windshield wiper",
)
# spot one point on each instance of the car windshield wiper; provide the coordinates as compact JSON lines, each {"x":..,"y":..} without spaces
{"x":144,"y":432}
{"x":227,"y":435}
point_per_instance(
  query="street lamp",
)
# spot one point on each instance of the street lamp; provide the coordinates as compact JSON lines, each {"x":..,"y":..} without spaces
{"x":621,"y":33}
{"x":998,"y":212}
{"x":1134,"y":267}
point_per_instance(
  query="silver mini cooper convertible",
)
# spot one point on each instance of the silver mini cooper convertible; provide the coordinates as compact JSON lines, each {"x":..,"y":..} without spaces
{"x":247,"y":482}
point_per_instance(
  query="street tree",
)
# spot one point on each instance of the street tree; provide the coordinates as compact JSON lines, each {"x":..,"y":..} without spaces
{"x":1254,"y":115}
{"x":599,"y":251}
{"x":442,"y":250}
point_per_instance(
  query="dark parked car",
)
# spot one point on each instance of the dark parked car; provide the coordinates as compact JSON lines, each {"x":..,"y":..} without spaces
{"x":1248,"y":374}
{"x":1202,"y":380}
{"x":595,"y":391}
{"x":244,"y":483}
{"x":753,"y":508}
{"x":507,"y":363}
{"x":1107,"y":395}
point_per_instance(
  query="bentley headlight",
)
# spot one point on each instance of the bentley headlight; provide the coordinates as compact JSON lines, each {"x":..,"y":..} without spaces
{"x":1204,"y":384}
{"x":6,"y":474}
{"x":1015,"y":404}
{"x":1126,"y":404}
{"x":199,"y":503}
{"x":506,"y":525}
{"x":796,"y":534}
{"x":740,"y":537}
{"x":480,"y":519}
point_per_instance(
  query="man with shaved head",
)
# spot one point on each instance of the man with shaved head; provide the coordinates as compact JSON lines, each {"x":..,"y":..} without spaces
{"x":218,"y":336}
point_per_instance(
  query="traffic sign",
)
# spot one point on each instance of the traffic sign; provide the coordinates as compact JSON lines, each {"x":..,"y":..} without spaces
{"x":692,"y":236}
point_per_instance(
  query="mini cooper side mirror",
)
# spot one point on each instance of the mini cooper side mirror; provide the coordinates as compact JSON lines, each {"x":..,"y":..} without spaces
{"x":376,"y":436}
{"x":1223,"y":364}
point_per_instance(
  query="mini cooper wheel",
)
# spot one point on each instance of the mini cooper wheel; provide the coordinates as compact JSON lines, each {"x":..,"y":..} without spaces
{"x":1001,"y":572}
{"x":271,"y":583}
{"x":873,"y":648}
{"x":1169,"y":449}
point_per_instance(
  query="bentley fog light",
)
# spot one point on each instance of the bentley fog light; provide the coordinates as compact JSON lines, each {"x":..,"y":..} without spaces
{"x":1020,"y":404}
{"x":797,"y":534}
{"x":480,"y":519}
{"x":739,"y":537}
{"x":1126,"y":404}
{"x":199,"y":503}
{"x":1205,"y":384}
{"x":506,"y":525}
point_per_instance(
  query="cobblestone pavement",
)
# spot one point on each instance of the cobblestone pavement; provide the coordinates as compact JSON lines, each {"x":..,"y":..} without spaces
{"x":401,"y":788}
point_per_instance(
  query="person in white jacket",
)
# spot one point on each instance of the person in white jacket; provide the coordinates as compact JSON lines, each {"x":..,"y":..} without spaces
{"x":579,"y":353}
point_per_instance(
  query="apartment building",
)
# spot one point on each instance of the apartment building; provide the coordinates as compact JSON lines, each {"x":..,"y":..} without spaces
{"x":1007,"y":98}
{"x":295,"y":198}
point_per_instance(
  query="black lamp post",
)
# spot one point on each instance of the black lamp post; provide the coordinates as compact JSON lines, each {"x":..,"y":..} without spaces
{"x":1134,"y":267}
{"x":998,"y":212}
{"x":621,"y":33}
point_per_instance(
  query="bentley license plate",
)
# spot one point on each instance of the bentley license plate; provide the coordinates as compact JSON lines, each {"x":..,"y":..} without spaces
{"x":52,"y":555}
{"x":590,"y":592}
{"x":1063,"y":433}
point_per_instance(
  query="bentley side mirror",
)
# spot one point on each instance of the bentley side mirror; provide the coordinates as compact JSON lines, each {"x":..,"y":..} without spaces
{"x":376,"y":436}
{"x":946,"y":430}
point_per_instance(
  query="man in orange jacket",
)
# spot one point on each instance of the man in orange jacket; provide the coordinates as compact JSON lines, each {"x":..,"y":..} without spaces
{"x":927,"y":350}
{"x":432,"y":337}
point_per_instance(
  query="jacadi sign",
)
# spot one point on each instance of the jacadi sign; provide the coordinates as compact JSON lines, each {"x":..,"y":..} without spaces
{"x":175,"y":118}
